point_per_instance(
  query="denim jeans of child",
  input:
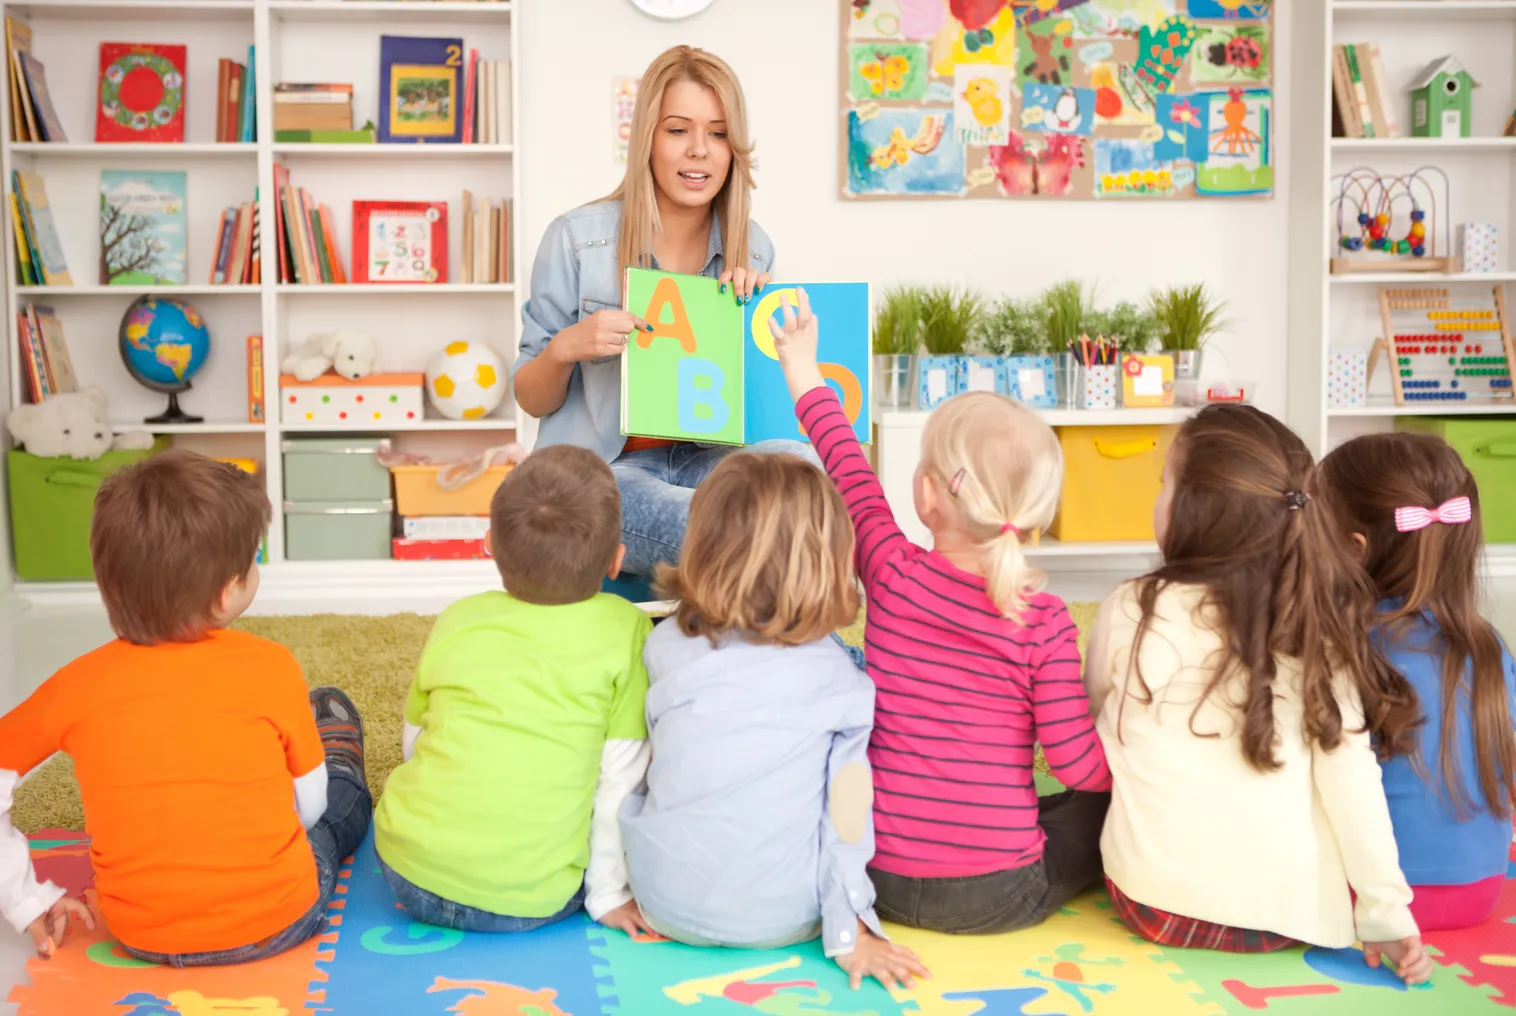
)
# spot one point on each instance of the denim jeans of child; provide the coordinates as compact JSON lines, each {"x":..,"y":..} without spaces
{"x":1007,"y":900}
{"x":342,"y":827}
{"x":656,"y":487}
{"x":429,"y":908}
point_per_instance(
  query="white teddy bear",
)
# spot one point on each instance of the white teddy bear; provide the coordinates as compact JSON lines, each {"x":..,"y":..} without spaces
{"x":351,"y":354}
{"x":75,"y":424}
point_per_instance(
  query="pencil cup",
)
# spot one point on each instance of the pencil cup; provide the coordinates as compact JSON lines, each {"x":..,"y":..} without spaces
{"x":1069,"y":380}
{"x":1099,"y":386}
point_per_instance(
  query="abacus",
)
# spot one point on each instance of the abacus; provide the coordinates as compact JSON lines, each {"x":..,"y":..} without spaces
{"x":1444,"y":347}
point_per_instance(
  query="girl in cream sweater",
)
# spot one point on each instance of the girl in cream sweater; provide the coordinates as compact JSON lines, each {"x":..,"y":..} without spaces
{"x":1237,"y":699}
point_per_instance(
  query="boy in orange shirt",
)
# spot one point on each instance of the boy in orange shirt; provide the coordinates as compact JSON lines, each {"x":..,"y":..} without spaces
{"x":220,"y":795}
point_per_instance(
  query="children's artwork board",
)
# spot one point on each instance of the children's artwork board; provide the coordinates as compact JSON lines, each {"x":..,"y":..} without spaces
{"x":708,"y":371}
{"x":1071,"y":99}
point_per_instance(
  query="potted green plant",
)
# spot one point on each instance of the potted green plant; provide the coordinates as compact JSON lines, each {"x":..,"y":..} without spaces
{"x":1187,"y":317}
{"x":1067,"y":309}
{"x":1132,"y":327}
{"x":897,"y":339}
{"x":1014,"y":327}
{"x":950,"y":318}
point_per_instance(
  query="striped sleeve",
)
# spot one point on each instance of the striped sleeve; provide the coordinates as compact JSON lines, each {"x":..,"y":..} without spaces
{"x":879,"y":537}
{"x":1061,"y":709}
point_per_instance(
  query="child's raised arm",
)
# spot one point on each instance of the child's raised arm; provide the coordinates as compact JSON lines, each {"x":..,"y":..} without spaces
{"x":878,"y":536}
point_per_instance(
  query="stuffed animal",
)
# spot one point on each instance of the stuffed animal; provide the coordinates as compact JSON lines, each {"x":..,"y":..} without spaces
{"x":75,"y":424}
{"x":351,"y":354}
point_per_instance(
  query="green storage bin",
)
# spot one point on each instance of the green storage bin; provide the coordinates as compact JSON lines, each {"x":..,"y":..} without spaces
{"x":1487,"y":446}
{"x":52,"y":502}
{"x":335,"y":469}
{"x":338,"y":530}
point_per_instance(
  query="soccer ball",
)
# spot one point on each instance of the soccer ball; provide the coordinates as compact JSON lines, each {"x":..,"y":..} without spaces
{"x":465,"y":381}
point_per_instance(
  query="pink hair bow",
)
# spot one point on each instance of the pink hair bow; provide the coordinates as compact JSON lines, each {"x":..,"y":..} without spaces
{"x":1450,"y":513}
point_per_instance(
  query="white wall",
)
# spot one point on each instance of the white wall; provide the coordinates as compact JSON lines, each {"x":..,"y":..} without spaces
{"x":786,"y":53}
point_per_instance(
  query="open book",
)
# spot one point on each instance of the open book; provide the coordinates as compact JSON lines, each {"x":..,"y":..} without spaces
{"x":708,"y":372}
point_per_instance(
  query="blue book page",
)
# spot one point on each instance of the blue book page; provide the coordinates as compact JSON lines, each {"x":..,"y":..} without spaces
{"x":844,"y":351}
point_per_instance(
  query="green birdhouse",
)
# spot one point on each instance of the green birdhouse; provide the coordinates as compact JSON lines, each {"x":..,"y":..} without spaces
{"x":1442,"y":98}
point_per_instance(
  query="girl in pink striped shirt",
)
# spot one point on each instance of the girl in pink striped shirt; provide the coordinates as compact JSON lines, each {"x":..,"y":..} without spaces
{"x":973,"y":665}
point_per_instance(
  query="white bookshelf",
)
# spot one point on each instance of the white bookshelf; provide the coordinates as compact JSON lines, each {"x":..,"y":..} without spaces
{"x":296,"y":40}
{"x":1328,"y":311}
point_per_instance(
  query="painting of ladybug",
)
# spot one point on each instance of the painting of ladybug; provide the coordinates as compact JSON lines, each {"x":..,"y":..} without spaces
{"x":1232,"y":53}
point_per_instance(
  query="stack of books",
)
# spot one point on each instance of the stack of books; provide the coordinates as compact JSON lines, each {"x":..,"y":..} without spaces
{"x":39,"y":254}
{"x":236,"y":116}
{"x":304,"y":111}
{"x":487,"y":101}
{"x":238,"y":257}
{"x":305,"y":235}
{"x":32,"y":115}
{"x":440,"y":538}
{"x":486,"y":239}
{"x":1365,"y":106}
{"x":44,"y":355}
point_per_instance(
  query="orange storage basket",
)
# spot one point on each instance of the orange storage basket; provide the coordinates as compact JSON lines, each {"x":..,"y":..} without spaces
{"x":417,"y":492}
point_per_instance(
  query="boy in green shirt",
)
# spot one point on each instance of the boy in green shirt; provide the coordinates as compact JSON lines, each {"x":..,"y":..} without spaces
{"x":524,"y":726}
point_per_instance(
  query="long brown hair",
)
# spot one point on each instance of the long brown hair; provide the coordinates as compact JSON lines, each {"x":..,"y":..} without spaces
{"x":1247,"y":524}
{"x":637,"y":191}
{"x":767,"y":555}
{"x":1434,"y":570}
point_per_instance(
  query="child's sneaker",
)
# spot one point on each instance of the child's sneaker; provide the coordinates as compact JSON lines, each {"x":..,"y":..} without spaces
{"x":341,"y":728}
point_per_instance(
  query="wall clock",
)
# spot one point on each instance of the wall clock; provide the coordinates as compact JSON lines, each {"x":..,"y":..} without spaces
{"x":671,"y":10}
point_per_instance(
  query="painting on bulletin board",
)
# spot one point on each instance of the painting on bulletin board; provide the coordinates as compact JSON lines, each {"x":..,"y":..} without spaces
{"x":1072,"y":99}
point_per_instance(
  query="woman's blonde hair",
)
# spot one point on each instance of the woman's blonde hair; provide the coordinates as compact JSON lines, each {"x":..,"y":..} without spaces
{"x":1000,"y":468}
{"x":768,"y":554}
{"x":637,"y":192}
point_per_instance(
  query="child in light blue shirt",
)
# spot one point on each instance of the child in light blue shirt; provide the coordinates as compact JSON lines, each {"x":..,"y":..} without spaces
{"x":756,"y":828}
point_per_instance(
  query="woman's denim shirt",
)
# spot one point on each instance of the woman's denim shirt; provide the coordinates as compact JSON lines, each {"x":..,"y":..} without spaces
{"x":574,"y":276}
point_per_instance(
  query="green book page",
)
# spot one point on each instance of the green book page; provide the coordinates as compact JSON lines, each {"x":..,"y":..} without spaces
{"x":682,"y":380}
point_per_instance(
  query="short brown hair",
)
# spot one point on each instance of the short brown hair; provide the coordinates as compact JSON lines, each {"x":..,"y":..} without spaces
{"x":768,"y":554}
{"x":169,"y":534}
{"x":555,"y":525}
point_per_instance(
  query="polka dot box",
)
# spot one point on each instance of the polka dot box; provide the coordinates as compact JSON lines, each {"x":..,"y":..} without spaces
{"x":336,"y":402}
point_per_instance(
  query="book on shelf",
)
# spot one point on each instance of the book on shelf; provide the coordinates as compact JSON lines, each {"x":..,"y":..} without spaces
{"x":1364,"y":105}
{"x":140,"y":97}
{"x":236,"y":109}
{"x":39,"y":100}
{"x":34,"y":370}
{"x":362,"y":136}
{"x":26,"y":268}
{"x":400,"y":241}
{"x":237,"y":246}
{"x":313,"y":107}
{"x":257,"y":409}
{"x":305,"y":235}
{"x":142,"y":227}
{"x":486,"y":239}
{"x":18,"y":40}
{"x":41,"y":236}
{"x":420,"y":90}
{"x":55,"y":356}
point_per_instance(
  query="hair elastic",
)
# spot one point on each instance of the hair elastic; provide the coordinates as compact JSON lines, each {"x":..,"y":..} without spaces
{"x":1009,"y":527}
{"x":1296,"y":499}
{"x":1453,"y":512}
{"x":957,"y":482}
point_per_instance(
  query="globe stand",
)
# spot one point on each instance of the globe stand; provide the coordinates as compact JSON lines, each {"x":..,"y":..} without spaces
{"x":174,"y":414}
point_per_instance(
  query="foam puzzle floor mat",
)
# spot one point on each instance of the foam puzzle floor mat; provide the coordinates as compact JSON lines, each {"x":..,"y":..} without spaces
{"x":375,"y":962}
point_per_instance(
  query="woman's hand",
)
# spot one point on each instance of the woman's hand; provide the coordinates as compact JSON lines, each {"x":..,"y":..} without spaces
{"x":885,"y":962}
{"x":1408,"y":954}
{"x":48,"y":930}
{"x":795,"y":341}
{"x":744,"y":282}
{"x":601,"y":335}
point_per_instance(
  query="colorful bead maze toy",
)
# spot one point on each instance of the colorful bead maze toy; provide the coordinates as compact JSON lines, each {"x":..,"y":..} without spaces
{"x":1444,"y":347}
{"x":1382,"y":207}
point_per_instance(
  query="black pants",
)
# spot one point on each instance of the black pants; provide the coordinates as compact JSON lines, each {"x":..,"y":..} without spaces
{"x":1007,"y":900}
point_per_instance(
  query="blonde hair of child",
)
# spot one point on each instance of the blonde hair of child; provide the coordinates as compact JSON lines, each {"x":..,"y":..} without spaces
{"x":999,"y":470}
{"x":767,"y":555}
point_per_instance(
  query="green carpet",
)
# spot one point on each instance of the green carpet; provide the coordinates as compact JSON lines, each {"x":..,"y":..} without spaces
{"x":371,"y":658}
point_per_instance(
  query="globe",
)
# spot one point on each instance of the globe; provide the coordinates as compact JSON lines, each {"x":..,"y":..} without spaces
{"x":164,"y":343}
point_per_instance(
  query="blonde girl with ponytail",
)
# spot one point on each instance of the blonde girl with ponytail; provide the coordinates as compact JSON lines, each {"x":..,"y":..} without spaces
{"x":973,"y":664}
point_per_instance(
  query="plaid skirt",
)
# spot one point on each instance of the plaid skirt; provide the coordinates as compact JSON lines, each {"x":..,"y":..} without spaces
{"x":1188,"y":933}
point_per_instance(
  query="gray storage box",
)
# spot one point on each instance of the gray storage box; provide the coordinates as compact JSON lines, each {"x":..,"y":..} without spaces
{"x":337,"y":530}
{"x":335,"y":469}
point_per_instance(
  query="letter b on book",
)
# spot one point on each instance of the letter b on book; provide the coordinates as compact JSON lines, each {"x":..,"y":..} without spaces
{"x":702,"y":407}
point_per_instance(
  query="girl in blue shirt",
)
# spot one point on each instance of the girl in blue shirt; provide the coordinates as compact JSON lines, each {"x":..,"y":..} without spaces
{"x":1412,"y":507}
{"x":682,"y":207}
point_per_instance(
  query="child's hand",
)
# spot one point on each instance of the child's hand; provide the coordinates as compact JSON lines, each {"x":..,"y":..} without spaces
{"x":884,"y":961}
{"x":795,"y":342}
{"x":628,"y":918}
{"x":48,"y":930}
{"x":1408,"y":954}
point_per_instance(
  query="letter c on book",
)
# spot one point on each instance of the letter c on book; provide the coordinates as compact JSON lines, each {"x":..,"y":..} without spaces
{"x":847,"y":386}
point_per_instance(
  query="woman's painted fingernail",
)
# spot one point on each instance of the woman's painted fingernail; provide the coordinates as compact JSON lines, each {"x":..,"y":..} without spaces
{"x":648,"y":327}
{"x":759,"y":289}
{"x":723,"y":287}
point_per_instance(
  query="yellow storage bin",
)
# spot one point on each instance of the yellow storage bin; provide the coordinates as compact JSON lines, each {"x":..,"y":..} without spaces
{"x":417,"y":492}
{"x":1111,"y":480}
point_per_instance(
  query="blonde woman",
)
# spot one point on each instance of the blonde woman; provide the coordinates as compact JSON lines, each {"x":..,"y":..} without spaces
{"x":682,"y":207}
